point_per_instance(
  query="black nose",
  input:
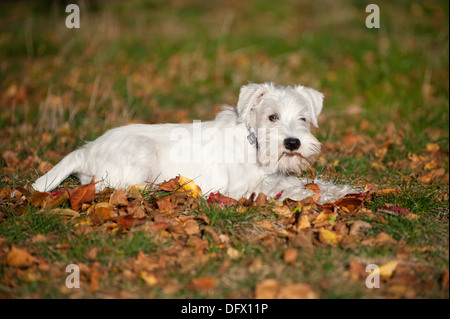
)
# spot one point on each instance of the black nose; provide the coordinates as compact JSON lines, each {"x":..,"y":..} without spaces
{"x":292,"y":143}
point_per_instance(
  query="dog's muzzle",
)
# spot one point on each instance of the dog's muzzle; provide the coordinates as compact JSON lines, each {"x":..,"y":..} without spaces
{"x":292,"y":144}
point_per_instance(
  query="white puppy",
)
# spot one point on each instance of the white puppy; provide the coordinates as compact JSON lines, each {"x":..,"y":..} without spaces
{"x":260,"y":146}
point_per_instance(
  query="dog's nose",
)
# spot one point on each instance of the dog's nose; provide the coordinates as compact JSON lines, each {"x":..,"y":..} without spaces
{"x":292,"y":143}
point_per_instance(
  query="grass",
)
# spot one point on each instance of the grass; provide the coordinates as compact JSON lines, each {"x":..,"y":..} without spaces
{"x":384,"y":125}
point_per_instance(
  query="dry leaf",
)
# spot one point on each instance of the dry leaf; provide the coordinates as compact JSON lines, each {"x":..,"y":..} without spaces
{"x":303,"y":222}
{"x":297,"y":291}
{"x":267,"y":289}
{"x":203,"y":283}
{"x":386,"y":270}
{"x":282,"y":210}
{"x":359,"y":227}
{"x":383,"y":239}
{"x":38,"y":198}
{"x":20,"y":258}
{"x":149,"y":278}
{"x":119,"y":198}
{"x":82,"y":194}
{"x":328,"y":237}
{"x":188,"y":185}
{"x":290,"y":256}
{"x":191,"y":227}
{"x":101,"y":212}
{"x":55,"y":199}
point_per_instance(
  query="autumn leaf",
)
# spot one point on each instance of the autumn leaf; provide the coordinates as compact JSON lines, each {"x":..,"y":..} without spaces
{"x":328,"y":237}
{"x":101,"y":212}
{"x":38,"y":198}
{"x":82,"y":194}
{"x":297,"y":291}
{"x":217,"y":198}
{"x":267,"y":289}
{"x":20,"y":258}
{"x":188,"y":185}
{"x":290,"y":256}
{"x":119,"y":197}
{"x":203,"y":283}
{"x":55,"y":199}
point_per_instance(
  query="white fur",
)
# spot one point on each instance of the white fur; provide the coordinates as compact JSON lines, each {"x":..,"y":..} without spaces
{"x":219,"y":155}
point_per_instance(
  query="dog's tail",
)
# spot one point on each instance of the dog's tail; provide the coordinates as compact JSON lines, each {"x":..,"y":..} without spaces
{"x":68,"y":165}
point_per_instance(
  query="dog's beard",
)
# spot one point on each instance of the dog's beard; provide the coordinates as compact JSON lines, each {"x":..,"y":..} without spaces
{"x":274,"y":157}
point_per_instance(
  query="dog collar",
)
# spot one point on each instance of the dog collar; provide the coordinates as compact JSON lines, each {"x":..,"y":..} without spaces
{"x":251,"y":137}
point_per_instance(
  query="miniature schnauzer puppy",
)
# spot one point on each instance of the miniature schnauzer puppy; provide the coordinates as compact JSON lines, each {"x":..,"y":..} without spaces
{"x":261,"y":146}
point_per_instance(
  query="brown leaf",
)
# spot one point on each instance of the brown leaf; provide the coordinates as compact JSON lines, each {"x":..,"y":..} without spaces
{"x":95,"y":273}
{"x":82,"y":194}
{"x":164,"y":204}
{"x":38,"y":198}
{"x":267,"y":289}
{"x":20,"y":258}
{"x":297,"y":291}
{"x":203,"y":283}
{"x":290,"y":256}
{"x":359,"y":227}
{"x":170,"y":185}
{"x":5,"y":194}
{"x":191,"y":227}
{"x":129,"y":221}
{"x":101,"y":212}
{"x":55,"y":199}
{"x":261,"y":200}
{"x":383,"y":239}
{"x":119,"y":198}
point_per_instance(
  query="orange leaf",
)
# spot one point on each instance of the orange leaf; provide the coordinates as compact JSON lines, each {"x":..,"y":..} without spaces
{"x":203,"y":283}
{"x":101,"y":212}
{"x":20,"y":258}
{"x":55,"y":199}
{"x":38,"y":198}
{"x":82,"y":194}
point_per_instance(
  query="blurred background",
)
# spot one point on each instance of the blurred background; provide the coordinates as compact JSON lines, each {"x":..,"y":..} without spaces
{"x":174,"y":61}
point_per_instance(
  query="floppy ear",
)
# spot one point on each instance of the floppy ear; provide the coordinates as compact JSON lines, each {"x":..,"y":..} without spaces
{"x":315,"y":99}
{"x":249,"y":97}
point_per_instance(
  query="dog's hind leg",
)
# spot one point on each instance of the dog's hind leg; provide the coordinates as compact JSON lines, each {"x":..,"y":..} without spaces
{"x":68,"y":165}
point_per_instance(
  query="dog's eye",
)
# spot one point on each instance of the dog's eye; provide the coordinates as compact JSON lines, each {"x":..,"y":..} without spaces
{"x":273,"y":117}
{"x":303,"y":119}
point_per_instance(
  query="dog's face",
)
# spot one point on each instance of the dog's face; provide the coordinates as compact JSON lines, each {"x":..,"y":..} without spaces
{"x":280,"y":117}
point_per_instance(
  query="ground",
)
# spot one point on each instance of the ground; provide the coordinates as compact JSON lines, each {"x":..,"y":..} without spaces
{"x":384,"y":129}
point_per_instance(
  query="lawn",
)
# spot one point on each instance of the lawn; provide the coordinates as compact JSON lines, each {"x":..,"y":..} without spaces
{"x":384,"y":129}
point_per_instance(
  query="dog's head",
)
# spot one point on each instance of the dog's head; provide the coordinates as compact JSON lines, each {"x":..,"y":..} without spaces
{"x":280,"y":119}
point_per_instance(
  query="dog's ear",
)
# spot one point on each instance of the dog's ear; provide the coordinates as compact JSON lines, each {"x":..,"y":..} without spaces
{"x":249,"y":97}
{"x":315,"y":99}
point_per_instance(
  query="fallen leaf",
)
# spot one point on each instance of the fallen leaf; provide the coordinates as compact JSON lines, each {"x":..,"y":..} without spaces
{"x":191,"y":227}
{"x":203,"y":283}
{"x":119,"y":197}
{"x":323,"y":217}
{"x":188,"y":185}
{"x":290,"y":256}
{"x":233,"y":253}
{"x":220,"y":199}
{"x":282,"y":210}
{"x":383,"y":239}
{"x":359,"y":227}
{"x":386,"y":270}
{"x":55,"y":199}
{"x":303,"y":222}
{"x":101,"y":212}
{"x":38,"y":198}
{"x":5,"y":194}
{"x":297,"y":291}
{"x":267,"y":289}
{"x":169,"y":186}
{"x":432,"y":147}
{"x":20,"y":258}
{"x":149,"y":278}
{"x":82,"y":194}
{"x":328,"y":237}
